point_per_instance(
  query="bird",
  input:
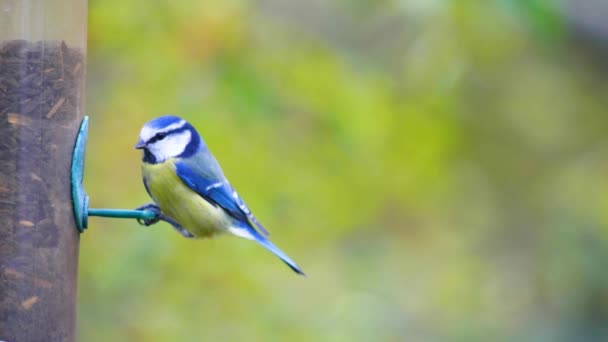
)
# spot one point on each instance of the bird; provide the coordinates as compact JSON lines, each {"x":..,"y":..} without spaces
{"x":189,"y":188}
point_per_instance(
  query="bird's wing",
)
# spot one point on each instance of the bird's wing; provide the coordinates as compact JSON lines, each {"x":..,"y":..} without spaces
{"x":209,"y":183}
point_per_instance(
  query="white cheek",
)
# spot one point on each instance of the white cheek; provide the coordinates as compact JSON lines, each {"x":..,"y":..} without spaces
{"x":172,"y":146}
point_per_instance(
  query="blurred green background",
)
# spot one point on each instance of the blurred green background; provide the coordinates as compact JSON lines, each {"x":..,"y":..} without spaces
{"x":438,"y":168}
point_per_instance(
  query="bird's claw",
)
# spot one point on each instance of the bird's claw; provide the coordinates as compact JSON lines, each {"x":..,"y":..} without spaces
{"x":159,"y":216}
{"x":153,"y":208}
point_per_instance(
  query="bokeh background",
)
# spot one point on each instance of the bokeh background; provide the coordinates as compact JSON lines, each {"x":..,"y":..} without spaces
{"x":438,"y":168}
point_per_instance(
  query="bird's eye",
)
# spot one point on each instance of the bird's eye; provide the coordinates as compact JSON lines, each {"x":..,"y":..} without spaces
{"x":161,"y":136}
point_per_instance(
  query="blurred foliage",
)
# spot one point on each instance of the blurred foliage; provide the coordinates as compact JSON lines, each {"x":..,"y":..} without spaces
{"x":438,"y":168}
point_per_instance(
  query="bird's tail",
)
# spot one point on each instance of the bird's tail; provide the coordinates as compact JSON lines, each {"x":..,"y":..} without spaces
{"x":279,"y":253}
{"x":251,"y":234}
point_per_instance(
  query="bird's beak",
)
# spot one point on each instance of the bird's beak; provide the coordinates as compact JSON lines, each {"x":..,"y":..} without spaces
{"x":140,"y":144}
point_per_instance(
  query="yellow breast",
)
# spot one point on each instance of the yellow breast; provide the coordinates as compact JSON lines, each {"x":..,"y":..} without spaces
{"x":179,"y":202}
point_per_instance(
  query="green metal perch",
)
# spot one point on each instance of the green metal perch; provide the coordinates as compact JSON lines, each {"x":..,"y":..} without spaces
{"x":79,"y":195}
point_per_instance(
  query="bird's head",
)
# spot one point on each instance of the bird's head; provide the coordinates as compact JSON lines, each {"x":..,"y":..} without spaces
{"x":168,"y":137}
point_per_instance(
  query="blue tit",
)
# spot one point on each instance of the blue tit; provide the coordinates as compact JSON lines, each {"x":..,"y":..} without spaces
{"x":190,"y":189}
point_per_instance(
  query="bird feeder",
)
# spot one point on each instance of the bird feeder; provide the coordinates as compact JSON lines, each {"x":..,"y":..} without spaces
{"x":42,"y":81}
{"x":43,"y":134}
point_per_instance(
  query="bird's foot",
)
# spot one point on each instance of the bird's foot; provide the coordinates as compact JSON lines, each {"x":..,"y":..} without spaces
{"x":153,"y":208}
{"x":159,"y":216}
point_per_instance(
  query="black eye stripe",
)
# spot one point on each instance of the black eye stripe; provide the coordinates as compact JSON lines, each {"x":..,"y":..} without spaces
{"x":162,"y":135}
{"x":153,"y":139}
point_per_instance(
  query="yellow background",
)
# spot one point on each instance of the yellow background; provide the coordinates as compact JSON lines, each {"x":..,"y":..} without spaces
{"x":438,"y":168}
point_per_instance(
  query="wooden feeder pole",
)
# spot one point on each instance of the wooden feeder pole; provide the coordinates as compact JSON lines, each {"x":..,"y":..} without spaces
{"x":42,"y":77}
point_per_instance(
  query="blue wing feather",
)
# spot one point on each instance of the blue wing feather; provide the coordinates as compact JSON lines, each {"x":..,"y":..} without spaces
{"x":219,"y":192}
